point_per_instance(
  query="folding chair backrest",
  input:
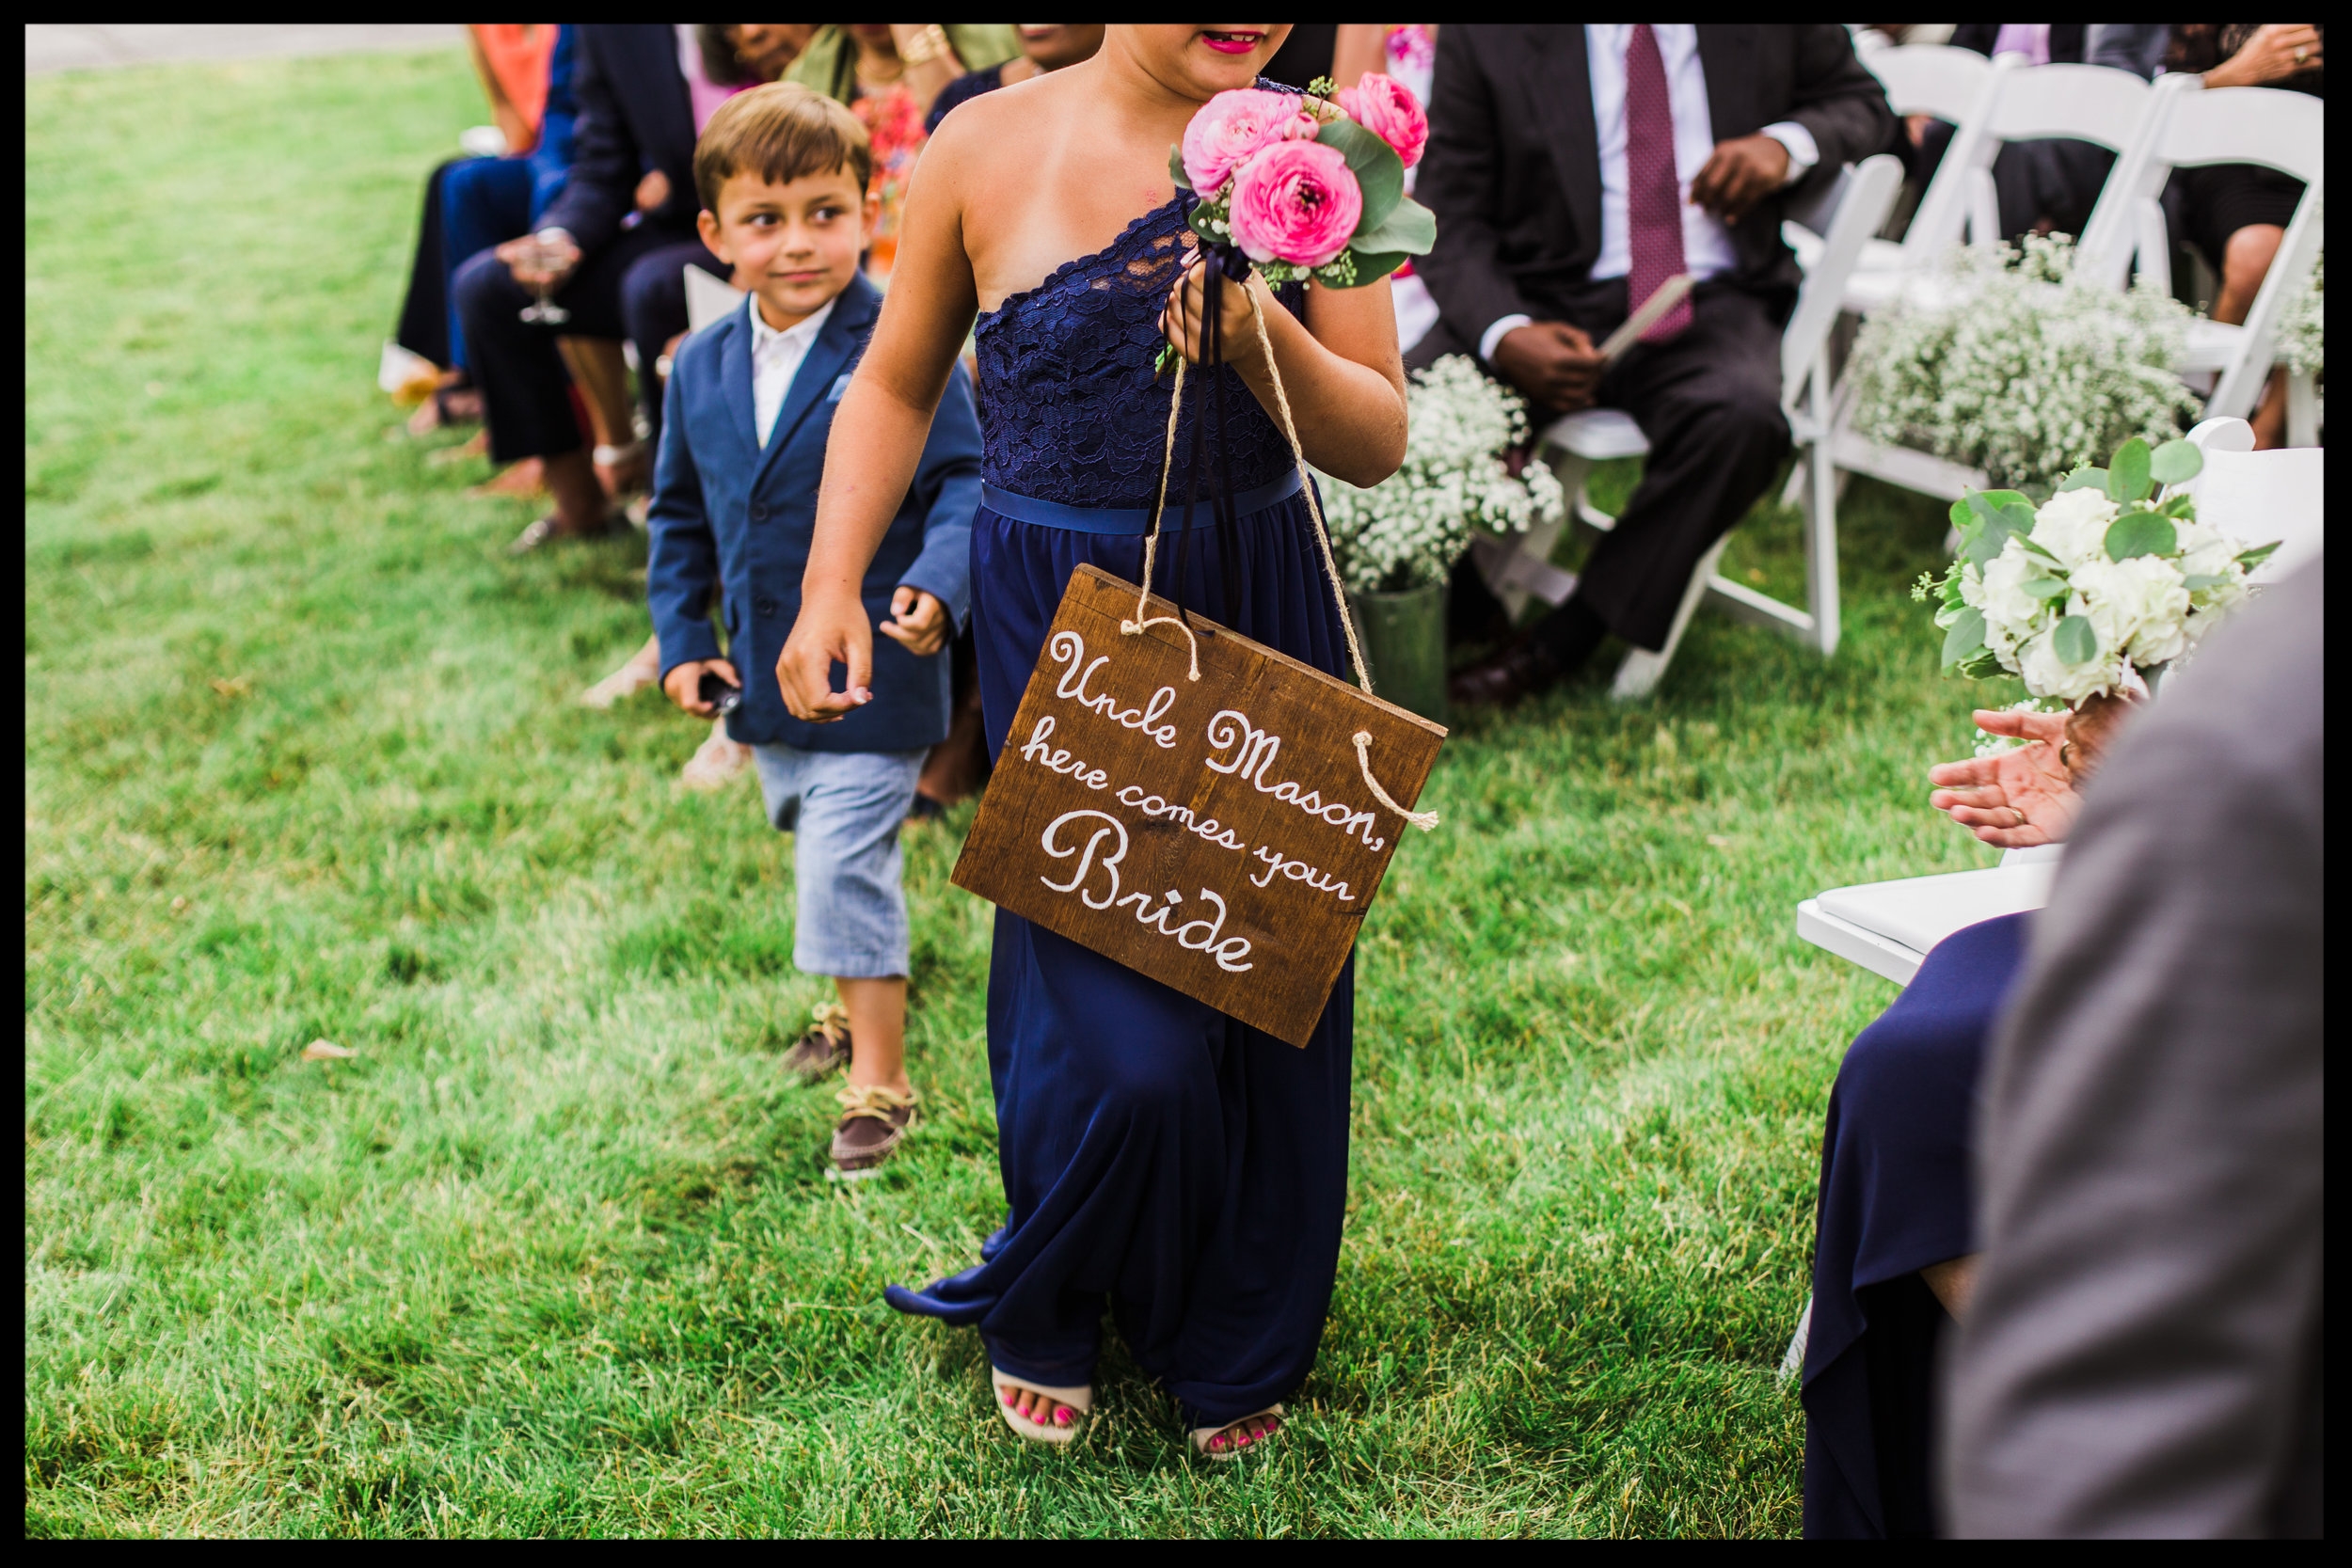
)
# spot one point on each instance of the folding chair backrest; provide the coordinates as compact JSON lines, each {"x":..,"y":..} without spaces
{"x":2096,"y":103}
{"x":2276,"y":130}
{"x":2262,"y":496}
{"x":1956,"y":85}
{"x":1865,"y":194}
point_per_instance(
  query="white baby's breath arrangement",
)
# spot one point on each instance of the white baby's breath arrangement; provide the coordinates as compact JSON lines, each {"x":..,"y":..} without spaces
{"x":2103,"y":579}
{"x":2016,"y":366}
{"x":1409,"y":530}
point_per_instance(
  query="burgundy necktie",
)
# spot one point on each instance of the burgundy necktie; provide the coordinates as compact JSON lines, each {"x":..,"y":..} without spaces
{"x":1653,"y":195}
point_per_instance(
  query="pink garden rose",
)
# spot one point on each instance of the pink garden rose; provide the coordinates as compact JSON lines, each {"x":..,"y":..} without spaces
{"x":1232,"y":125}
{"x":1384,"y":106}
{"x":1297,"y":202}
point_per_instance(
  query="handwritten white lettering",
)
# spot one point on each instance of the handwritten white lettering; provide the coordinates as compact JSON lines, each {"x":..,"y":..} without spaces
{"x":1070,"y":647}
{"x":1154,"y":914}
{"x":1279,"y":864}
{"x":1252,"y":751}
{"x":1168,"y":811}
{"x":1111,"y":828}
{"x":1058,"y":759}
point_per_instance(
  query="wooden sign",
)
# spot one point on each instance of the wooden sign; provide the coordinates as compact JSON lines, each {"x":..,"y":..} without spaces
{"x":1219,"y":834}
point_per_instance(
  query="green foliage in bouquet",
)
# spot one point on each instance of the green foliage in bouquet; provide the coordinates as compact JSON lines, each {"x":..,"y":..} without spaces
{"x":2112,"y":574}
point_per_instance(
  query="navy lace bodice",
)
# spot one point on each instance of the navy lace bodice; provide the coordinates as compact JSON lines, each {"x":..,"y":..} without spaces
{"x":1070,"y":410}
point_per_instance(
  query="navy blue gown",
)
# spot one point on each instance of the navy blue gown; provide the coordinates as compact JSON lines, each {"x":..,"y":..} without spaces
{"x":1896,"y":1198}
{"x":1161,"y":1160}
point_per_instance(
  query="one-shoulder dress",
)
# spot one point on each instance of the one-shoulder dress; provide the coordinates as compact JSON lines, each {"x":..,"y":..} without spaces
{"x":1161,"y":1160}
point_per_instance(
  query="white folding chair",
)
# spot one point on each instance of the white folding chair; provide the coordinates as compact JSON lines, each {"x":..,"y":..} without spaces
{"x":2282,"y":131}
{"x":2111,"y":108}
{"x":1888,"y":928}
{"x":707,"y":299}
{"x":1955,"y":86}
{"x":1516,"y":569}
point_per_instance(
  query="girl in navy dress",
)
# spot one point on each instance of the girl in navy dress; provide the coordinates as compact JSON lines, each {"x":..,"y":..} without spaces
{"x":1162,"y":1161}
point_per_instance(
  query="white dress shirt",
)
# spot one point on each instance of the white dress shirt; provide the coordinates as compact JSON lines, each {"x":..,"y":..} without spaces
{"x":1705,"y":244}
{"x":775,"y":360}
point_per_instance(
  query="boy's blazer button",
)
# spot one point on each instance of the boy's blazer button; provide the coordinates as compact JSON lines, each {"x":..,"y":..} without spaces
{"x":759,"y":512}
{"x":764,"y":607}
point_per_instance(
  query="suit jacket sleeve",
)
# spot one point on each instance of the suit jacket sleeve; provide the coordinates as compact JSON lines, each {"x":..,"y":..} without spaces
{"x":606,"y":163}
{"x":947,"y":487}
{"x":1836,"y":98}
{"x":2142,"y":1357}
{"x":683,"y":563}
{"x":1458,"y":182}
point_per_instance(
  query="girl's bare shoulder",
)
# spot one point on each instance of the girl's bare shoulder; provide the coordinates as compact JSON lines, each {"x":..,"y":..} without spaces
{"x":1007,"y":129}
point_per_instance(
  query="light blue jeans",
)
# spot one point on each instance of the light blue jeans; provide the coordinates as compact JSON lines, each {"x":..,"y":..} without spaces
{"x":843,"y":810}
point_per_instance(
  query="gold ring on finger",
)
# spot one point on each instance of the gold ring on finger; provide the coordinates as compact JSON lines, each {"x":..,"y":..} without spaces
{"x":2301,"y":53}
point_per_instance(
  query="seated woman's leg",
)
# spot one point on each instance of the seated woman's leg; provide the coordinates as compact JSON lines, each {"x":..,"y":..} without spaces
{"x":2244,"y":262}
{"x":1895,"y":1203}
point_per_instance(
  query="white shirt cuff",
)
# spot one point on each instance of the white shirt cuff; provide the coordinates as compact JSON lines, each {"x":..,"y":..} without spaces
{"x":1495,"y":334}
{"x":1803,"y":151}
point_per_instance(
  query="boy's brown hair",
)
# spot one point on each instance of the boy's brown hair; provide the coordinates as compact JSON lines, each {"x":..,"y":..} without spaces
{"x":781,"y":132}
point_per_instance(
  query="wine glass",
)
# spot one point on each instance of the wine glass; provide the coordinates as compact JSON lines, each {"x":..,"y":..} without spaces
{"x":543,"y":310}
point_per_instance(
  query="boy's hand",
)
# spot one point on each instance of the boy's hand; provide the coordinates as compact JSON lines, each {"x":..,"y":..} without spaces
{"x":917,"y":621}
{"x":685,"y":684}
{"x":827,"y":632}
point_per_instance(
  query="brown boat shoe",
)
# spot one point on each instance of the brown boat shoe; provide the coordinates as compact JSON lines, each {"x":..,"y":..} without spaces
{"x":823,"y":1049}
{"x":874,"y":1121}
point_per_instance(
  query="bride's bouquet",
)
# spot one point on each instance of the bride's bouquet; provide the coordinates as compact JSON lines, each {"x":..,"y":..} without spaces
{"x":2105,"y":578}
{"x":1313,"y":186}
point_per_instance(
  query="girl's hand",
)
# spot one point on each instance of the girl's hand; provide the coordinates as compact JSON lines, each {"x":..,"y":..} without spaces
{"x":2014,"y":799}
{"x":1185,"y":316}
{"x":828,"y":632}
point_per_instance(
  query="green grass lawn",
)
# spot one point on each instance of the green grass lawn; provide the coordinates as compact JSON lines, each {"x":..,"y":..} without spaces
{"x":553,"y":1253}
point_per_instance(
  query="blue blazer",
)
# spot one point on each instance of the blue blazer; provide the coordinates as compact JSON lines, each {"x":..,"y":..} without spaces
{"x":729,"y":514}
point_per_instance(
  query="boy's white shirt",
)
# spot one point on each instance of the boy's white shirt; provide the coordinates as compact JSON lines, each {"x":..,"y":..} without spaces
{"x":777,"y":358}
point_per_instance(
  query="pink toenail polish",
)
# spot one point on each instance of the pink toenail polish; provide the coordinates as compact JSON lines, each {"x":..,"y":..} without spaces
{"x":1061,"y":1416}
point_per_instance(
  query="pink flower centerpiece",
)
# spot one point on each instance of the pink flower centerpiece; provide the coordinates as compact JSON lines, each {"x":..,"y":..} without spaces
{"x":1309,"y":187}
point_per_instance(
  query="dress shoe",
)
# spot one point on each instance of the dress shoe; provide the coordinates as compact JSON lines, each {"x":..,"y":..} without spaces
{"x":1518,"y":672}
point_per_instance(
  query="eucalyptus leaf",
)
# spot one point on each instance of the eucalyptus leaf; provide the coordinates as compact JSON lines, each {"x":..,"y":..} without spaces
{"x":1965,"y":639}
{"x":2019,"y":517}
{"x":2074,"y":641}
{"x":1998,"y":500}
{"x":2048,"y":587}
{"x":2176,"y":462}
{"x":2084,"y":478}
{"x":1199,"y":222}
{"x":2127,"y":475}
{"x":2182,"y":505}
{"x":2137,"y":534}
{"x":2199,"y":581}
{"x":1176,"y":166}
{"x":2032,"y":549}
{"x":1409,"y":229}
{"x":2260,"y":553}
{"x":1377,"y":169}
{"x":1962,"y":514}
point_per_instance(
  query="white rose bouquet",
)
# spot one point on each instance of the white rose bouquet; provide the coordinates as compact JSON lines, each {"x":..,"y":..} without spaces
{"x":2103,"y":579}
{"x":1409,"y":530}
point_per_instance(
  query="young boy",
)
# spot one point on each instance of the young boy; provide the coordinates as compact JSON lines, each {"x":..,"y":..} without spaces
{"x":782,"y":175}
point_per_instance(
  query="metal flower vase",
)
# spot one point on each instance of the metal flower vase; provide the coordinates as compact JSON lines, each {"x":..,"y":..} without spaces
{"x":1404,"y":638}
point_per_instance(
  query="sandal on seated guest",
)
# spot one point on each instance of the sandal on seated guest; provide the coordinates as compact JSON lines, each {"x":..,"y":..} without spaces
{"x":582,"y":511}
{"x":642,"y":670}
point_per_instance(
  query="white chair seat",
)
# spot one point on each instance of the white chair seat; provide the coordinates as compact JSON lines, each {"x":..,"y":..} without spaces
{"x":1598,"y":435}
{"x":1889,"y":928}
{"x":1877,"y":255}
{"x":2212,"y":346}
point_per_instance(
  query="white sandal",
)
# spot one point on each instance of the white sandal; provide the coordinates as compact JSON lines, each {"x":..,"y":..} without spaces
{"x":1079,"y":1400}
{"x":1200,"y":1437}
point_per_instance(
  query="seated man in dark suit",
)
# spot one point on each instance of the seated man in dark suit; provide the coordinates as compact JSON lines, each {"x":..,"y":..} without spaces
{"x":609,"y":250}
{"x":1573,"y":171}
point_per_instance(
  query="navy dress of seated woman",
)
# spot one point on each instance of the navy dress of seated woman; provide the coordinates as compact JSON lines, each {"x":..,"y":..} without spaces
{"x":1897,"y":1200}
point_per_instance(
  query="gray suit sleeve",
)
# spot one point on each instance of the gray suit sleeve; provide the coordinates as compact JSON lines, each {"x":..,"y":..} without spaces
{"x":2142,"y":1357}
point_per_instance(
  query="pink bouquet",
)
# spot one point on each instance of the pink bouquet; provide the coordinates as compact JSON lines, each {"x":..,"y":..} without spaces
{"x":1313,"y":186}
